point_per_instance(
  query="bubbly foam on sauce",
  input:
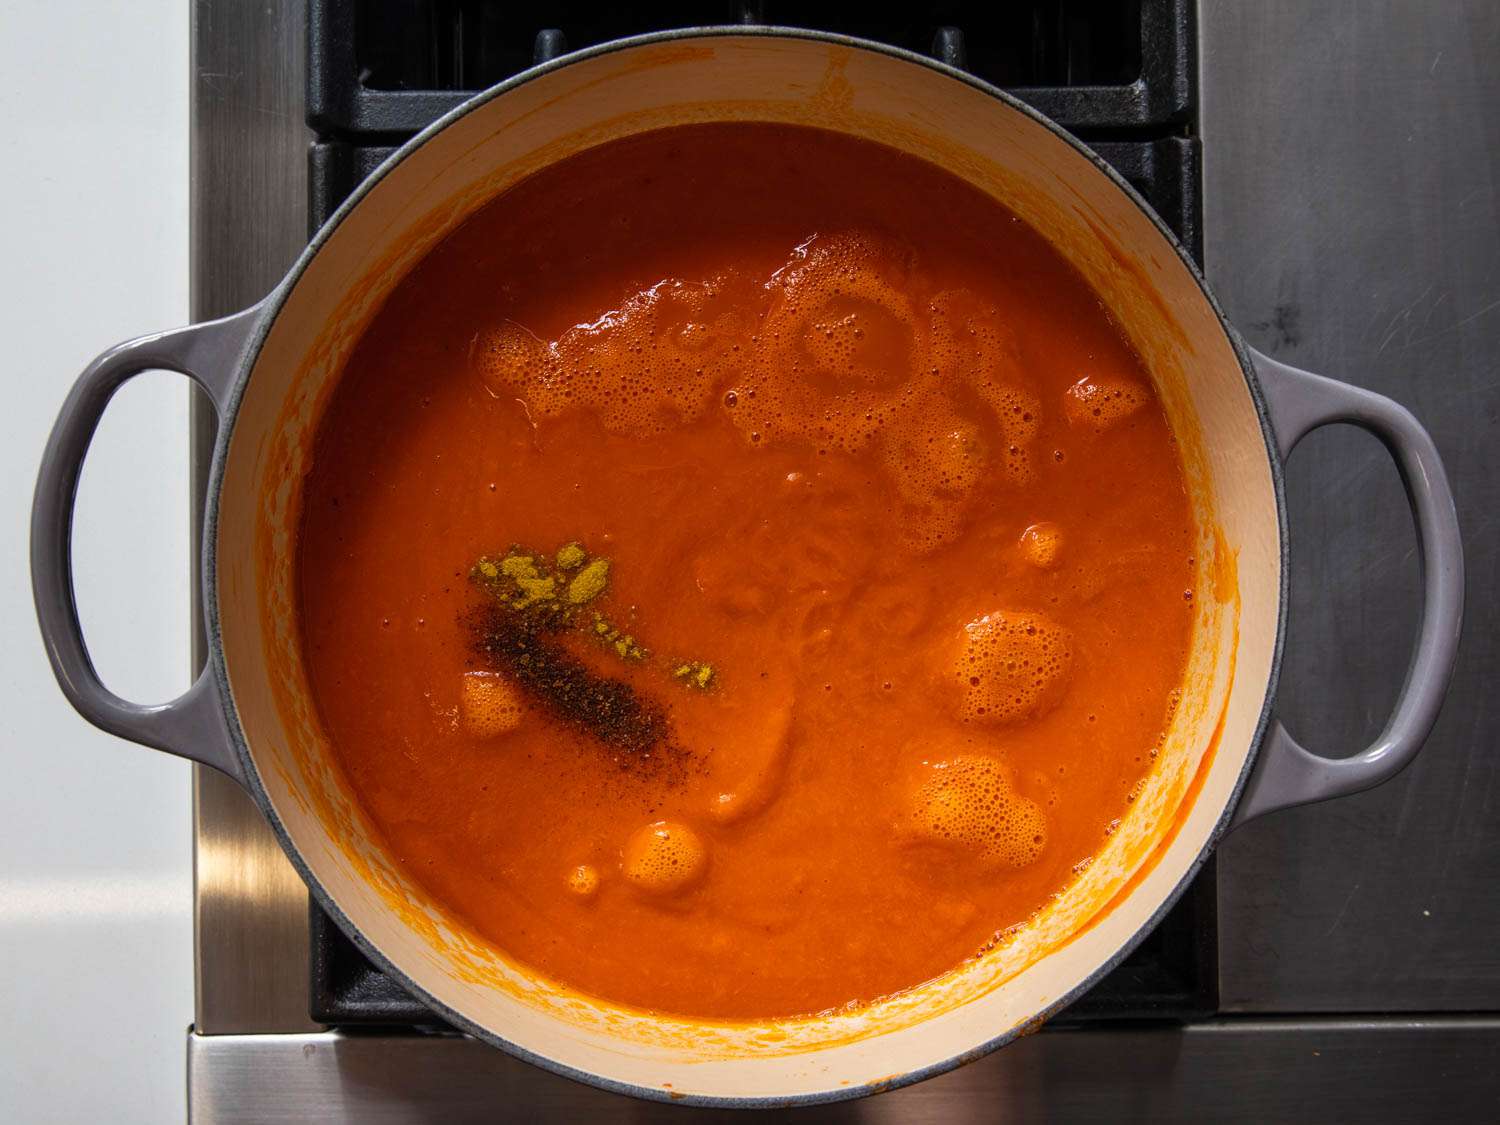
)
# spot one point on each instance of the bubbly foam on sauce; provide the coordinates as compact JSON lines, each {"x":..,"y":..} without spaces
{"x":969,"y":802}
{"x":490,"y":705}
{"x":1041,"y":545}
{"x":650,"y":364}
{"x":1098,"y":402}
{"x":583,"y":880}
{"x":836,"y":355}
{"x":1011,"y":666}
{"x":664,"y":857}
{"x":935,"y":456}
{"x":972,"y":346}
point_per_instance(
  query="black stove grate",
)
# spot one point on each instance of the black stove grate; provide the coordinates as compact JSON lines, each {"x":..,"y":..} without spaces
{"x":1119,"y":75}
{"x":382,"y":67}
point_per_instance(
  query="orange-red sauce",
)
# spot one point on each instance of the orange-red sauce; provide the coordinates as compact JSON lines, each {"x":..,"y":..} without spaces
{"x":847,"y":431}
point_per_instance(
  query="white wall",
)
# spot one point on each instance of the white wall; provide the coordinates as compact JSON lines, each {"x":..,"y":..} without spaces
{"x":95,"y":835}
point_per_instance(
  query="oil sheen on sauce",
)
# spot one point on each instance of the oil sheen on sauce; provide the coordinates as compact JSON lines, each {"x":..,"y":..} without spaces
{"x":893,"y":523}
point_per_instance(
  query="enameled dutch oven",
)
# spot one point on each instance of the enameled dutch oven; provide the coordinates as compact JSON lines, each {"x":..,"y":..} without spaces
{"x":1236,"y":414}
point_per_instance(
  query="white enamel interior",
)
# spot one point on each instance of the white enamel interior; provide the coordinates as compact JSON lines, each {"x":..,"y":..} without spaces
{"x":1049,"y":184}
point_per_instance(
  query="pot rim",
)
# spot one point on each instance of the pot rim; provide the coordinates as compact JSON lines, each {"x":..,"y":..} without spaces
{"x":270,"y":307}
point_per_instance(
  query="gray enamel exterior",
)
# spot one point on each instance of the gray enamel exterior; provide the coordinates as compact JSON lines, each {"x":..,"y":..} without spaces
{"x":202,"y":724}
{"x":214,"y":355}
{"x":1288,"y":774}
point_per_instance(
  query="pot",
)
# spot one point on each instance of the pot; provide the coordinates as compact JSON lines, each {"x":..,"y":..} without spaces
{"x":1237,"y":414}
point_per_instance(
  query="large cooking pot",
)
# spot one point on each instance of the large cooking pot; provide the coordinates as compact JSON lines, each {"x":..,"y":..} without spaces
{"x":1237,"y":414}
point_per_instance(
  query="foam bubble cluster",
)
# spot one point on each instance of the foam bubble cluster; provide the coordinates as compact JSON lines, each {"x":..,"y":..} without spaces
{"x":489,"y":704}
{"x":1097,"y":402}
{"x":935,"y":457}
{"x":583,"y":880}
{"x":973,"y":347}
{"x":969,"y":802}
{"x":831,"y":350}
{"x":847,"y":360}
{"x":1012,"y":666}
{"x":836,"y":347}
{"x":664,"y":857}
{"x":651,"y":363}
{"x":1041,"y":545}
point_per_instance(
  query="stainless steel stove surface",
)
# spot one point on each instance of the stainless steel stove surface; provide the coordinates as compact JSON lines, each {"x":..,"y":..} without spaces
{"x":1337,"y":181}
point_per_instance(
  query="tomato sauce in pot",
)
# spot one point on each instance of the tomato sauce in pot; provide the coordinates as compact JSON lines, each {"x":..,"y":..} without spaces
{"x":744,"y":572}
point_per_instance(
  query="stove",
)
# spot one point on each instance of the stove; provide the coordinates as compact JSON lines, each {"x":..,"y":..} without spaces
{"x":279,"y":984}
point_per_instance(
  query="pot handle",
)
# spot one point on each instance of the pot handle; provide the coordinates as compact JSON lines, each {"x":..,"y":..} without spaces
{"x":1285,"y":773}
{"x":192,"y":725}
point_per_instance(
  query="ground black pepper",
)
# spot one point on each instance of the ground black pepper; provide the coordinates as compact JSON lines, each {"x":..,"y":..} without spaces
{"x":526,"y":648}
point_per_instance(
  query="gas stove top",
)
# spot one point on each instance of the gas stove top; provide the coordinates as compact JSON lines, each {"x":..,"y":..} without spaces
{"x":279,"y":985}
